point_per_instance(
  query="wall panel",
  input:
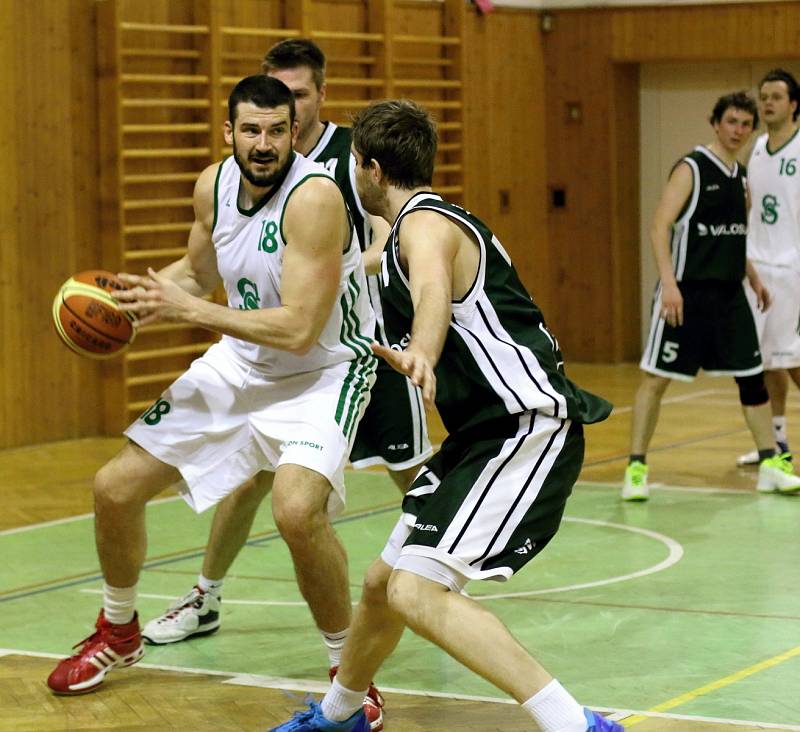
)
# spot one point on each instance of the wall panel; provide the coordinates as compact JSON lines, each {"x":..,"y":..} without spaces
{"x":706,"y":32}
{"x":48,"y":224}
{"x":505,"y":130}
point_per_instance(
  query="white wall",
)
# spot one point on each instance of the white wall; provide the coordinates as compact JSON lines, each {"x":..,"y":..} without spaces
{"x":675,"y":103}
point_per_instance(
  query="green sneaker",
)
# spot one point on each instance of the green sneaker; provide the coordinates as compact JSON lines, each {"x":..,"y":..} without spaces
{"x":776,"y":475}
{"x":635,"y":486}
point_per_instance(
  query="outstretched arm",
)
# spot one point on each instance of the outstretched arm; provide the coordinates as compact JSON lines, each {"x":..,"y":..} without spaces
{"x":428,"y":247}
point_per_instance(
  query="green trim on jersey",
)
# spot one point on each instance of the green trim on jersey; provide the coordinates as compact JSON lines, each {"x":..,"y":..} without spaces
{"x":788,"y":142}
{"x":263,"y":202}
{"x":356,"y":384}
{"x":352,"y":338}
{"x":216,"y":194}
{"x":297,"y":185}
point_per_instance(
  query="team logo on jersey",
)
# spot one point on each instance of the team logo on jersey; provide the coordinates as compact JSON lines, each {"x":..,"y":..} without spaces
{"x":427,"y":527}
{"x":404,"y":341}
{"x":249,"y":292}
{"x":721,"y":229}
{"x":525,"y":548}
{"x":712,"y":187}
{"x":769,"y":209}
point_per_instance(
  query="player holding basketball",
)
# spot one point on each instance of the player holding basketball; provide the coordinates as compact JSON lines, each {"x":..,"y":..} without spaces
{"x":462,"y":326}
{"x":773,"y":242}
{"x":282,"y":392}
{"x":701,"y":318}
{"x":393,"y":431}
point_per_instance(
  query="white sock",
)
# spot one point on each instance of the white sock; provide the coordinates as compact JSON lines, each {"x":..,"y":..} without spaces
{"x":340,"y":703}
{"x":212,"y":587}
{"x":334,"y":642}
{"x":555,"y":710}
{"x":779,"y":427}
{"x":119,"y":604}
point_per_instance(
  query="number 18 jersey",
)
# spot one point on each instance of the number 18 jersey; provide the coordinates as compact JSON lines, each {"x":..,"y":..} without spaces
{"x":773,"y":178}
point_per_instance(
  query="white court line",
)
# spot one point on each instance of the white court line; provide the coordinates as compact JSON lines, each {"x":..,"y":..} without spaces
{"x":675,"y":555}
{"x":671,"y":400}
{"x":319,"y":687}
{"x":228,"y":601}
{"x":71,"y":519}
{"x":676,"y":488}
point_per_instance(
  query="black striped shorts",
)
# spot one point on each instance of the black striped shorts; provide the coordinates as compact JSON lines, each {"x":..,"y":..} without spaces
{"x":492,"y":498}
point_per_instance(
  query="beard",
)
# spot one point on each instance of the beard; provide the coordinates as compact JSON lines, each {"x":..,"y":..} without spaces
{"x":265,"y":179}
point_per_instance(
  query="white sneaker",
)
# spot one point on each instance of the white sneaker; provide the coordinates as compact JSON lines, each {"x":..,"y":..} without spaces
{"x":776,"y":475}
{"x":749,"y":458}
{"x":195,"y":614}
{"x":635,"y":486}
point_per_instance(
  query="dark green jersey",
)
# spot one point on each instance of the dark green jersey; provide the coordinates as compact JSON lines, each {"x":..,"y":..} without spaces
{"x":333,"y":151}
{"x":498,"y":356}
{"x":709,"y":238}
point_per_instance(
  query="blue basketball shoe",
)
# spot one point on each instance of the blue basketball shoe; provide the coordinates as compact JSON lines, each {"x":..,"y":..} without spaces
{"x":597,"y":723}
{"x":314,"y":721}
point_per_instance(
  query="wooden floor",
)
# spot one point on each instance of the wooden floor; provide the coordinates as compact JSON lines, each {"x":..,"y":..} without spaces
{"x":699,"y":436}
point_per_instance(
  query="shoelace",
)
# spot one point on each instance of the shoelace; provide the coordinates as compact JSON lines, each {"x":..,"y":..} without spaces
{"x":95,"y":638}
{"x":182,"y":604}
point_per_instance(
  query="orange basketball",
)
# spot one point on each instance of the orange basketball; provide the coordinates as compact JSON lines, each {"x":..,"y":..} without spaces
{"x":88,"y":319}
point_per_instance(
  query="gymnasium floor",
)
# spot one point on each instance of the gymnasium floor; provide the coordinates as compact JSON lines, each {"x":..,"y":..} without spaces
{"x":678,"y":614}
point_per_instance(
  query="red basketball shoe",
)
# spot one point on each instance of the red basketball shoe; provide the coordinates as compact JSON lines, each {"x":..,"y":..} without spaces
{"x":110,"y":646}
{"x":373,"y":704}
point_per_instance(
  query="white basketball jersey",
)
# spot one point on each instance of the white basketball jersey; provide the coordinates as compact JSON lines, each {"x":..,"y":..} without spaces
{"x":773,"y":235}
{"x":250,"y":248}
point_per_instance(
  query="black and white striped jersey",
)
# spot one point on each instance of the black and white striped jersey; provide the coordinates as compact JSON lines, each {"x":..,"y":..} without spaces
{"x":709,"y":237}
{"x":498,"y":357}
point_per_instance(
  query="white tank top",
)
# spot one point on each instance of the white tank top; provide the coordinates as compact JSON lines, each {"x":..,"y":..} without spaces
{"x":773,"y":232}
{"x":250,"y":246}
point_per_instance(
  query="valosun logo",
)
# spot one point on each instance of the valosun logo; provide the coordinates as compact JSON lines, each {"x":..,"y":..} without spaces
{"x":722,"y":229}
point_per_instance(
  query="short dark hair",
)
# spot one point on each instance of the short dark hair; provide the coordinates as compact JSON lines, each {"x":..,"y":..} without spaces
{"x":262,"y":91}
{"x":791,"y":85}
{"x":738,"y":100}
{"x":294,"y":53}
{"x":402,"y":137}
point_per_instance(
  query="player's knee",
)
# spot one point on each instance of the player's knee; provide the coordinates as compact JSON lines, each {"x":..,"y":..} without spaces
{"x":376,"y":581}
{"x":110,"y":488}
{"x":406,"y":593}
{"x":752,"y":390}
{"x":297,"y":518}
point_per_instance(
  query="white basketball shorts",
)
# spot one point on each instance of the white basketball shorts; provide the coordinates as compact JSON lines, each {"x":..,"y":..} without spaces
{"x":778,"y":327}
{"x":223,"y":421}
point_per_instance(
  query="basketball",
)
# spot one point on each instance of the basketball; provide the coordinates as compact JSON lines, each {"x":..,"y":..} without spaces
{"x":88,"y":319}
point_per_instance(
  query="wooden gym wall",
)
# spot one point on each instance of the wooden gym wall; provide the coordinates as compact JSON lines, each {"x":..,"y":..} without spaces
{"x":580,"y":261}
{"x":592,"y":147}
{"x":57,"y":178}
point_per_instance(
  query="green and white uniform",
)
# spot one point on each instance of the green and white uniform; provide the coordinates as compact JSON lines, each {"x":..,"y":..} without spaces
{"x":773,"y":245}
{"x":708,"y":248}
{"x":494,"y":496}
{"x":243,"y":407}
{"x":393,"y":431}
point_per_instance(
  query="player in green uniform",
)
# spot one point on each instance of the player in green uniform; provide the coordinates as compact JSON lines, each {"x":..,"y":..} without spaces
{"x":462,"y":326}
